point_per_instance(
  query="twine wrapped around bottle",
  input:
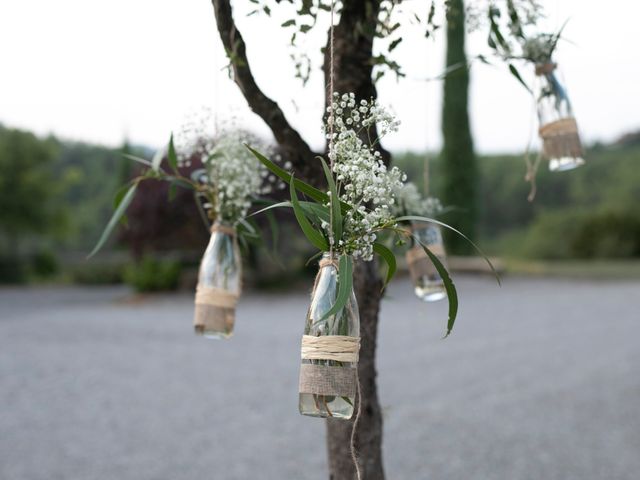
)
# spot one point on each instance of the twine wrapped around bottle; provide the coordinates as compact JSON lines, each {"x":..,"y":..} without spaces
{"x":318,"y":378}
{"x":334,"y":380}
{"x":561,"y":139}
{"x":215,"y":308}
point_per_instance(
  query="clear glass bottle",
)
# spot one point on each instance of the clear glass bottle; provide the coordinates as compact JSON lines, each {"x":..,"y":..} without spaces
{"x":428,"y":284}
{"x":219,"y":284}
{"x":558,"y":127}
{"x":345,"y":322}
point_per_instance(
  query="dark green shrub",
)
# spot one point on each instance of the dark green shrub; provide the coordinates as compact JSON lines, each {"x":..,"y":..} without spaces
{"x":608,"y":234}
{"x":12,"y":270}
{"x":92,"y":273}
{"x":153,"y":275}
{"x":44,"y":264}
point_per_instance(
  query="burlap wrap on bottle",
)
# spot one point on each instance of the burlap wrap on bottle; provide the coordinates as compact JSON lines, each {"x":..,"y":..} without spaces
{"x":319,"y":377}
{"x":332,"y":380}
{"x":215,"y":308}
{"x":560,"y":138}
{"x":419,"y":263}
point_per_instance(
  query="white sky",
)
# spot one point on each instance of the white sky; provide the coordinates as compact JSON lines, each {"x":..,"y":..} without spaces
{"x":99,"y":71}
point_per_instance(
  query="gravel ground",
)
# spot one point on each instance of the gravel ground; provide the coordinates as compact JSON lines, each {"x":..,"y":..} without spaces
{"x":540,"y":380}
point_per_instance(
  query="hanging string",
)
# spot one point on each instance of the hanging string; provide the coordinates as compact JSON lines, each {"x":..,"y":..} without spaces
{"x":354,"y":455}
{"x":331,"y":122}
{"x":532,"y":166}
{"x":426,"y":178}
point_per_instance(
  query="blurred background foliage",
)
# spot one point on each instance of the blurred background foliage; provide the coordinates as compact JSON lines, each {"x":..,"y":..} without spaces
{"x":56,"y":197}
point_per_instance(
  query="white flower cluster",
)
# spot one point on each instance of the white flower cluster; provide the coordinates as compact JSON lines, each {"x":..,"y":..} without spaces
{"x":234,"y":175}
{"x":362,"y":178}
{"x":231,"y":176}
{"x":539,"y":49}
{"x":409,"y":201}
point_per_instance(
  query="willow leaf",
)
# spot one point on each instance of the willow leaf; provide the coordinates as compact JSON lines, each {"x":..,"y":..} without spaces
{"x":390,"y":259}
{"x":303,"y":187}
{"x":409,"y":218}
{"x":121,"y":208}
{"x":172,"y":156}
{"x":313,"y":235}
{"x":514,"y":71}
{"x":143,"y":161}
{"x":452,"y":294}
{"x":335,"y":202}
{"x":345,"y":285}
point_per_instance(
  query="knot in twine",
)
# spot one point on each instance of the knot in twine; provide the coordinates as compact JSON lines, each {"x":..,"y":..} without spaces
{"x":325,"y":262}
{"x":226,"y":229}
{"x":545,"y":68}
{"x":339,"y":348}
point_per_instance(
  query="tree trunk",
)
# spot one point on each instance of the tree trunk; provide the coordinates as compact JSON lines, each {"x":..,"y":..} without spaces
{"x":459,"y":163}
{"x":353,"y":45}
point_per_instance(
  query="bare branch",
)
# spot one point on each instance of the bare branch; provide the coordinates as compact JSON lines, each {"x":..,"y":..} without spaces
{"x":293,"y":147}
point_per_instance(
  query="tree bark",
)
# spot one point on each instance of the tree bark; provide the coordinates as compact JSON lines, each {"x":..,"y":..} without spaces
{"x":353,"y":47}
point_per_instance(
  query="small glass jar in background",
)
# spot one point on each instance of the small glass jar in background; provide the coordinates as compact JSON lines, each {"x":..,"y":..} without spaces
{"x":427,"y":282}
{"x":328,"y":387}
{"x":219,"y":284}
{"x":558,"y":128}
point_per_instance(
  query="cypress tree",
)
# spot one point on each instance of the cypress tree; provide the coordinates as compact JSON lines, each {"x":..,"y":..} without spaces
{"x":460,"y":173}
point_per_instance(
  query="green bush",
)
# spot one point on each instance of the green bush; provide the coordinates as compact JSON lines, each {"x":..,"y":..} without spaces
{"x":153,"y":275}
{"x":93,"y":273}
{"x":13,"y":269}
{"x":608,"y":234}
{"x":44,"y":264}
{"x":568,"y":234}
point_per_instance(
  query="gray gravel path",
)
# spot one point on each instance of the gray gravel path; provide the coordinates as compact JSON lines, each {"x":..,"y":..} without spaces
{"x":540,"y":381}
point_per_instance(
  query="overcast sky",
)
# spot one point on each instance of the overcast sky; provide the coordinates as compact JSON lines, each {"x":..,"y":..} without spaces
{"x":102,"y":71}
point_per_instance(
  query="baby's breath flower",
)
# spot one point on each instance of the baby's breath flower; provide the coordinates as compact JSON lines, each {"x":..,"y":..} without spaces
{"x":231,"y":176}
{"x":409,"y":201}
{"x":364,"y":181}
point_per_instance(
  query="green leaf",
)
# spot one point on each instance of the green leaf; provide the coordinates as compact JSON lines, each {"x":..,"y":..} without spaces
{"x":121,"y":208}
{"x":173,"y":158}
{"x":345,"y":284}
{"x":335,"y":202}
{"x":409,"y":218}
{"x":301,"y":186}
{"x":157,"y":160}
{"x":172,"y":191}
{"x":305,"y":188}
{"x":390,"y":259}
{"x":313,"y":235}
{"x":452,"y":293}
{"x":515,"y":73}
{"x":289,"y":23}
{"x":394,"y":44}
{"x":312,"y":209}
{"x":143,"y":161}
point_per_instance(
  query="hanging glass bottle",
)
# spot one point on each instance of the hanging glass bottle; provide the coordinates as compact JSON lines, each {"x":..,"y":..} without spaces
{"x":558,"y":128}
{"x":330,"y":347}
{"x":428,"y":284}
{"x":219,"y":284}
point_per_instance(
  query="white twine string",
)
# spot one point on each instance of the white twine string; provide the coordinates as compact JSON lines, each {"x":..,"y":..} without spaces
{"x":354,"y":455}
{"x":339,"y":348}
{"x":331,"y":121}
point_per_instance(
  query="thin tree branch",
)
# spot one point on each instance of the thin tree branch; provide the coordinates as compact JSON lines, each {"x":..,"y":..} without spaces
{"x":292,"y":145}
